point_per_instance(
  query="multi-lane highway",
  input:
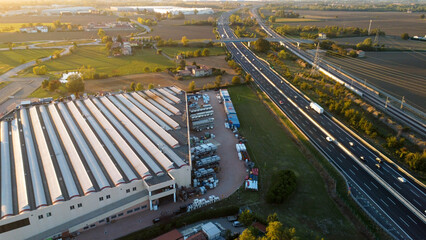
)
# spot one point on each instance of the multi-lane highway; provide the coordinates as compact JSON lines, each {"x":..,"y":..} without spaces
{"x":401,"y":204}
{"x":336,"y":74}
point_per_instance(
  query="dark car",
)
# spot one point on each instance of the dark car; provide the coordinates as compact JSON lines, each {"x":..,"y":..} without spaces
{"x":155,"y":220}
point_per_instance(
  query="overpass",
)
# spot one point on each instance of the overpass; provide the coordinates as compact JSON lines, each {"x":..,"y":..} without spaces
{"x":233,"y":40}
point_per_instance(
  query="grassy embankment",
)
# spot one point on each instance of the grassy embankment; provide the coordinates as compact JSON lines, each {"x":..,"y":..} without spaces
{"x":11,"y":59}
{"x":3,"y":84}
{"x":310,"y":210}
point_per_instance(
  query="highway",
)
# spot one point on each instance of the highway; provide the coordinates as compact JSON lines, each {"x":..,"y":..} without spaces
{"x":415,"y":124}
{"x":401,"y":204}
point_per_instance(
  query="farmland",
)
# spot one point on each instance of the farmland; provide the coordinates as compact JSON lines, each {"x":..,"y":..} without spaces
{"x":11,"y":59}
{"x":409,"y":23}
{"x":293,"y":20}
{"x":13,"y":27}
{"x":309,"y":209}
{"x":96,"y":57}
{"x":397,"y":73}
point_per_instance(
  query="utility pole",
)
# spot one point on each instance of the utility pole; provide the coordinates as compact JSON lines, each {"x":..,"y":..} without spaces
{"x":316,"y":60}
{"x":387,"y":101}
{"x":369,"y":27}
{"x":376,"y":39}
{"x":402,"y":101}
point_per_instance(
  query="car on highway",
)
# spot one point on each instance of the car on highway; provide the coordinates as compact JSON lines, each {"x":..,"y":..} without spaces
{"x":281,"y":102}
{"x":378,"y":166}
{"x":351,"y":144}
{"x":307,"y":107}
{"x":329,"y":139}
{"x":362,"y":158}
{"x":401,"y":179}
{"x":378,"y":160}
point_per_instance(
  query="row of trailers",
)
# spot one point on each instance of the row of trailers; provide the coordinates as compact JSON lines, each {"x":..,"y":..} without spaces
{"x":100,"y":142}
{"x":201,"y":117}
{"x":231,"y":114}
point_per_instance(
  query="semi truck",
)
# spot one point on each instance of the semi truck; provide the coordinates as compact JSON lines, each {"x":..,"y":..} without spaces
{"x":316,"y":107}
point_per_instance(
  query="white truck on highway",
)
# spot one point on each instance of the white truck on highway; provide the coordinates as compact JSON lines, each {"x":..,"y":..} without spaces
{"x":316,"y":107}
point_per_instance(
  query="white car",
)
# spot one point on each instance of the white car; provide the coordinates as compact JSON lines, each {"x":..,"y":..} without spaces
{"x":329,"y":139}
{"x":351,"y":144}
{"x":401,"y":179}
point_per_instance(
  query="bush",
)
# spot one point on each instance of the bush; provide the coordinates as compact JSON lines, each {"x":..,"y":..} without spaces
{"x":40,"y":70}
{"x":405,"y":36}
{"x":236,"y":80}
{"x":283,"y":186}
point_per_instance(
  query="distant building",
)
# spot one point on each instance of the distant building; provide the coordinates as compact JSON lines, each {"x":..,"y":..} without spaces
{"x":202,"y":71}
{"x":322,"y":36}
{"x":360,"y":53}
{"x":126,"y":49}
{"x":36,"y":29}
{"x":43,"y":29}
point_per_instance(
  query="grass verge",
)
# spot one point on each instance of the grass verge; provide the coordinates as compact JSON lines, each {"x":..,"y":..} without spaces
{"x":11,"y":59}
{"x":310,"y":210}
{"x":3,"y":84}
{"x":173,"y":51}
{"x":43,"y":93}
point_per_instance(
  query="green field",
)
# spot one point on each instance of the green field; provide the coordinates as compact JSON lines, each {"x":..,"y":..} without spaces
{"x":43,"y":93}
{"x":96,"y":57}
{"x":292,"y":20}
{"x":310,"y":210}
{"x":63,"y":43}
{"x":14,"y":27}
{"x":11,"y":59}
{"x":172,"y":51}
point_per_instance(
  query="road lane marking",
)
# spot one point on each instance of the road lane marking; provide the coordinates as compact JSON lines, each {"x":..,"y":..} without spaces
{"x":417,"y":202}
{"x":384,"y":202}
{"x":367,"y":186}
{"x":404,"y":222}
{"x":414,"y":193}
{"x":355,"y":167}
{"x":391,"y":201}
{"x":375,"y":185}
{"x":343,"y":156}
{"x":397,"y":186}
{"x":331,"y":130}
{"x":339,"y":159}
{"x":352,"y":171}
{"x":412,"y":219}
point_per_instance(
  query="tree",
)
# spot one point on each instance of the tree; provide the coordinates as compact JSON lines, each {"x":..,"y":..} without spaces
{"x":139,"y":87}
{"x":422,"y":16}
{"x":40,"y":70}
{"x":195,"y":11}
{"x":132,"y":86}
{"x":182,"y":64}
{"x":246,"y":218}
{"x":184,"y":41}
{"x":150,"y":86}
{"x":283,"y":186}
{"x":119,"y":39}
{"x":197,"y":53}
{"x":75,"y":84}
{"x":45,"y":83}
{"x":11,"y":45}
{"x":159,"y":51}
{"x":246,"y":235}
{"x":191,"y":86}
{"x":405,"y":36}
{"x":218,"y":81}
{"x":248,"y":78}
{"x":157,"y":69}
{"x":53,"y":85}
{"x":101,"y":33}
{"x":274,"y":231}
{"x":272,"y":218}
{"x":261,"y":45}
{"x":206,"y":52}
{"x":236,"y":80}
{"x":146,"y":69}
{"x":272,"y":19}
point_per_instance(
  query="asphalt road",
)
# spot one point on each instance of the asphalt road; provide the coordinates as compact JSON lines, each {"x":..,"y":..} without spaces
{"x":403,"y":205}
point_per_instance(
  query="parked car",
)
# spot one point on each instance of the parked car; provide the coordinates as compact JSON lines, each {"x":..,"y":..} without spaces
{"x":237,"y":224}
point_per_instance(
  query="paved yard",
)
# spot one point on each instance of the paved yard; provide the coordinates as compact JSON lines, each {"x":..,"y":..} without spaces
{"x":230,"y":177}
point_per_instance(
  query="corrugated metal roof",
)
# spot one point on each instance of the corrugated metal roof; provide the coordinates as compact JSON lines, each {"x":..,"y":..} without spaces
{"x":102,"y":142}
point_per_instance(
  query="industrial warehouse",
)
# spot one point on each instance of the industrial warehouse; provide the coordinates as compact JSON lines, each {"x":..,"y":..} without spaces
{"x":73,"y":165}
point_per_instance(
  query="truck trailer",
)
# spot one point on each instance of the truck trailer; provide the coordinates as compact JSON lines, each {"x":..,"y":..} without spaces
{"x":316,"y":107}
